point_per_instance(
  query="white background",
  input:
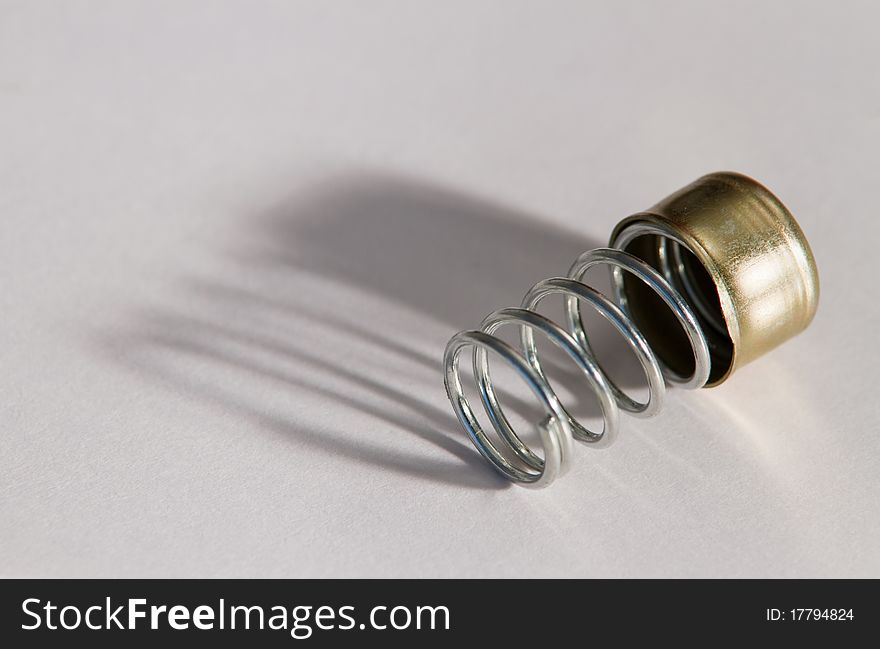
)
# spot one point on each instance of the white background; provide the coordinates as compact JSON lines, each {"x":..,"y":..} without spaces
{"x":235,"y":237}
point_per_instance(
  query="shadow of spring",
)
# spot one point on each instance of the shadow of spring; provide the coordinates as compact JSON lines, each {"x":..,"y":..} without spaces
{"x":347,"y":294}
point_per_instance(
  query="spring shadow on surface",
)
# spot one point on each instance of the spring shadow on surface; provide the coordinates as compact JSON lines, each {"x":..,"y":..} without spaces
{"x":446,"y":257}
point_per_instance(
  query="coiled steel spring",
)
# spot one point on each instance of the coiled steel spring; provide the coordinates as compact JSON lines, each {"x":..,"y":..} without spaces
{"x":558,"y":428}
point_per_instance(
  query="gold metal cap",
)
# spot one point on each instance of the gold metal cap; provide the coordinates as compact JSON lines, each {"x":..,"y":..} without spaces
{"x":747,"y":269}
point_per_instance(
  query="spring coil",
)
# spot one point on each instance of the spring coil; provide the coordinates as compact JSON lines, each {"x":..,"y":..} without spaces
{"x":558,"y":428}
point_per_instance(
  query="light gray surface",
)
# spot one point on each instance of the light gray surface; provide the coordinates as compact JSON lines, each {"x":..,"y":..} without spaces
{"x":218,"y":219}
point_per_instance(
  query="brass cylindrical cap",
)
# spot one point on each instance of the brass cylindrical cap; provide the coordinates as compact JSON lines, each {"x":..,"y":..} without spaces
{"x":745,"y":266}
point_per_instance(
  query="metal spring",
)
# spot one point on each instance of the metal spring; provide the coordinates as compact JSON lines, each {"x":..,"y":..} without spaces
{"x":672,"y":283}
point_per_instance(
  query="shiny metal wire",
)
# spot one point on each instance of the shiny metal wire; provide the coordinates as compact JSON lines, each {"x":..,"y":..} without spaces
{"x":558,"y":428}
